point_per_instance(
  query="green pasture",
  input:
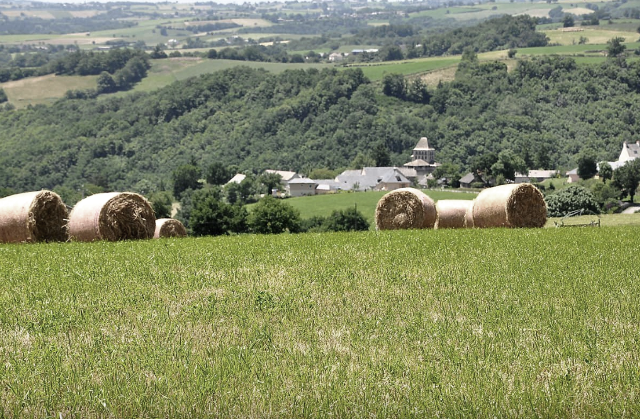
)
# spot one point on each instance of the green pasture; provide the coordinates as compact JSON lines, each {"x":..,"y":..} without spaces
{"x":378,"y":70}
{"x":365,"y":202}
{"x":427,"y":323}
{"x":598,"y":35}
{"x":45,"y":89}
{"x":166,"y":71}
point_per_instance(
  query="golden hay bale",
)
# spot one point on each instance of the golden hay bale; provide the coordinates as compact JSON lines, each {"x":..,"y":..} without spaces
{"x":169,"y":227}
{"x":33,"y":217}
{"x":514,"y":205}
{"x":112,"y":216}
{"x":405,"y":208}
{"x":452,"y":213}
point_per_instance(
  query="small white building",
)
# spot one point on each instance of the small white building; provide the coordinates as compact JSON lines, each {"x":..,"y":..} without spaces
{"x":301,"y":187}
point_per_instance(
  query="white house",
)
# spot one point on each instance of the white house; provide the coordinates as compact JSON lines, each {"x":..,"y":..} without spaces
{"x":301,"y":187}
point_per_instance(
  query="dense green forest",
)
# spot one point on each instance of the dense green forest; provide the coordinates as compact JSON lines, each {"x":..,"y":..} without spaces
{"x":546,"y":111}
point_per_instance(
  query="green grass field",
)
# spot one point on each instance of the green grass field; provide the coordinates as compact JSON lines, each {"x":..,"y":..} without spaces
{"x":365,"y":202}
{"x":482,"y":323}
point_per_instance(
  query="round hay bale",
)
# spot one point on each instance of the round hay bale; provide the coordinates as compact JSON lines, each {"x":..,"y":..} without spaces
{"x":468,"y":216}
{"x":452,"y":213}
{"x":168,"y":227}
{"x":405,"y":208}
{"x":33,"y":217}
{"x":514,"y":205}
{"x":112,"y":216}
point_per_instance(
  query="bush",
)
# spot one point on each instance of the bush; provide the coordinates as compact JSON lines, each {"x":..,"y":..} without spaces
{"x":210,"y":216}
{"x":571,"y":199}
{"x":273,"y":216}
{"x":349,"y":219}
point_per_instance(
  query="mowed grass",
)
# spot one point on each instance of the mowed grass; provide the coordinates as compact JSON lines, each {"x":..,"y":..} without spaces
{"x":482,"y":323}
{"x":595,"y":35}
{"x":44,"y":89}
{"x":365,"y":202}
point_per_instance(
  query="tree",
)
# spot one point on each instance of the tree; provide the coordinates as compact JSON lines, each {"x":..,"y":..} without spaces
{"x":3,"y":96}
{"x":362,"y":160}
{"x":512,"y":53}
{"x":158,"y":52}
{"x":481,"y":166}
{"x":270,"y":181}
{"x":106,"y":84}
{"x":273,"y":216}
{"x":627,"y":177}
{"x":380,"y":155}
{"x":394,"y":85}
{"x":615,"y":46}
{"x":210,"y":216}
{"x":587,"y":165}
{"x":507,"y":165}
{"x":567,"y":21}
{"x":218,"y":174}
{"x":449,"y":171}
{"x":185,"y":177}
{"x":605,"y":172}
{"x":161,"y":204}
{"x":212,"y":54}
{"x":573,"y":198}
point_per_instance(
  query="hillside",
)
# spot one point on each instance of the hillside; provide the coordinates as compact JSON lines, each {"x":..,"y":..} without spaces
{"x":545,"y":111}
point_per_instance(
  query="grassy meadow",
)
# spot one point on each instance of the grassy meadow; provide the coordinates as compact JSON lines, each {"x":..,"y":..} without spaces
{"x":365,"y":202}
{"x":408,"y":323}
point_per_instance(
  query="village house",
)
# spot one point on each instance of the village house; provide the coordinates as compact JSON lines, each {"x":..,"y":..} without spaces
{"x":301,"y":187}
{"x":630,"y":151}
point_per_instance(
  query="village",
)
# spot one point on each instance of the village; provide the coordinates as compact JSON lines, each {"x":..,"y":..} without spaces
{"x":416,"y":173}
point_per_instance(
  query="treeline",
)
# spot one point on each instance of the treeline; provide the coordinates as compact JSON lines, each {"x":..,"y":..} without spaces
{"x":81,"y":63}
{"x":494,"y":34}
{"x":34,"y":25}
{"x":539,"y":116}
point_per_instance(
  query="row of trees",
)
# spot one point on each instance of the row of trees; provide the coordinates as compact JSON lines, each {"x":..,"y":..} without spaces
{"x":207,"y":212}
{"x":84,"y":63}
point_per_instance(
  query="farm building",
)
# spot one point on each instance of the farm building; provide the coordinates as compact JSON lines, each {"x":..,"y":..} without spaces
{"x":301,"y":187}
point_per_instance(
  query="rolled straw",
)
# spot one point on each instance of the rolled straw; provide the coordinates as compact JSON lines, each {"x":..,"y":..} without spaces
{"x":452,"y":213}
{"x":513,"y":205}
{"x":405,"y":208}
{"x":169,"y":227}
{"x":112,"y":216}
{"x":33,"y":217}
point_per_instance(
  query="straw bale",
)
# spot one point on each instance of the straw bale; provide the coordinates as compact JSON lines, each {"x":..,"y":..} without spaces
{"x":112,"y":216}
{"x":169,"y":227}
{"x":405,"y":208}
{"x":452,"y":213}
{"x":513,"y":205}
{"x":33,"y":217}
{"x":468,"y":216}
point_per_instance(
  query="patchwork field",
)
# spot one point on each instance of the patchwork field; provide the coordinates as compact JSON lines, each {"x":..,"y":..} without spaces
{"x":412,"y":323}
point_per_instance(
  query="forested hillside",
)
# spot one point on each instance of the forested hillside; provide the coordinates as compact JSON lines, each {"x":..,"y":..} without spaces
{"x":545,"y":110}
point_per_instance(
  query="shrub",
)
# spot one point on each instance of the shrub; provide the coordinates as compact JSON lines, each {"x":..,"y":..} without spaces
{"x":570,"y":199}
{"x":273,"y":216}
{"x":210,"y":216}
{"x":349,"y":219}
